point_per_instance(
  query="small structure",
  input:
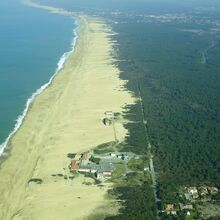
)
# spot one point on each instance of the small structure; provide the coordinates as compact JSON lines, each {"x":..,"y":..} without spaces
{"x":84,"y":169}
{"x":85,"y":159}
{"x":186,"y":207}
{"x":107,"y":121}
{"x":187,"y":196}
{"x":121,"y":156}
{"x":109,"y":114}
{"x":204,"y":191}
{"x":85,"y":156}
{"x":173,"y":212}
{"x":104,"y":174}
{"x":213,"y":190}
{"x":112,"y":154}
{"x":169,"y":209}
{"x":193,"y":192}
{"x":146,"y":168}
{"x":74,"y":166}
{"x":188,"y":213}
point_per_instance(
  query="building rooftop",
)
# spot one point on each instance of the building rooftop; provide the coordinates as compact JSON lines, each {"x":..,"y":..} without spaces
{"x":85,"y":156}
{"x":74,"y":165}
{"x":169,"y":207}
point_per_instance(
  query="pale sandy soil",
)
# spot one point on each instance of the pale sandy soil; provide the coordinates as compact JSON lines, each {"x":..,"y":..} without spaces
{"x":65,"y":118}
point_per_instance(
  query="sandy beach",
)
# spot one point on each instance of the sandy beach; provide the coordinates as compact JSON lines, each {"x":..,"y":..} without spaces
{"x":66,"y":118}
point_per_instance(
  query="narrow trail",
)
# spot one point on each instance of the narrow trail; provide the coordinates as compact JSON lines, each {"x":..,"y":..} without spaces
{"x":205,"y":53}
{"x":149,"y":148}
{"x":114,"y":131}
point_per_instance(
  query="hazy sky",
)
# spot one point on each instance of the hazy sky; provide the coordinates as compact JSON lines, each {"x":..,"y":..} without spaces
{"x":140,"y":5}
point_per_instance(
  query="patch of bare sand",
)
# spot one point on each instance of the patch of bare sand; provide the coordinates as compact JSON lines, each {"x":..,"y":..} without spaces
{"x":65,"y":118}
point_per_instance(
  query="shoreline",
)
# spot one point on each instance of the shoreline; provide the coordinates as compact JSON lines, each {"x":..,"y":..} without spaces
{"x":66,"y":118}
{"x":30,"y":100}
{"x":51,"y":9}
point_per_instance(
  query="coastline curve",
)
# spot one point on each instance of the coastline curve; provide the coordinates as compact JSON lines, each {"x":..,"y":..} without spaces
{"x":31,"y":99}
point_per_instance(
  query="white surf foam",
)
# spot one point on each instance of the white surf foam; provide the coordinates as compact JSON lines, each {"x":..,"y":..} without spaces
{"x":60,"y":65}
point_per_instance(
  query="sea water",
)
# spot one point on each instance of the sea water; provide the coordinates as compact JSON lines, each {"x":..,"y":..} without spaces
{"x":34,"y":44}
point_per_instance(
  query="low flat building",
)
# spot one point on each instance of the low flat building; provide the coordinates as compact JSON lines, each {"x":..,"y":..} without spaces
{"x":169,"y":209}
{"x":186,"y":207}
{"x":193,"y":192}
{"x":103,"y":174}
{"x":213,"y":190}
{"x":84,"y":169}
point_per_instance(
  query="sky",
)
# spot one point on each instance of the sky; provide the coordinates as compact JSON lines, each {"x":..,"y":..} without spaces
{"x":142,"y":5}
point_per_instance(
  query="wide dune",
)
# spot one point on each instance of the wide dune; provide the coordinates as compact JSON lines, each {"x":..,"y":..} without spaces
{"x":65,"y":118}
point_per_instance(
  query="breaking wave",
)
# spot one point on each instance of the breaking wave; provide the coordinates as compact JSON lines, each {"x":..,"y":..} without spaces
{"x":30,"y":100}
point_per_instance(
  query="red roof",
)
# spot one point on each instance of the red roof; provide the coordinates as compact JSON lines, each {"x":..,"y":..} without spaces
{"x":74,"y":165}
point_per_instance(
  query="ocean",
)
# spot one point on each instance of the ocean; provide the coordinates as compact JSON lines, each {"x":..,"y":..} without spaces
{"x":33,"y":46}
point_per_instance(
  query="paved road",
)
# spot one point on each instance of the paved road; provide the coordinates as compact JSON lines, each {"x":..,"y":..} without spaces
{"x":205,"y":53}
{"x":152,"y":170}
